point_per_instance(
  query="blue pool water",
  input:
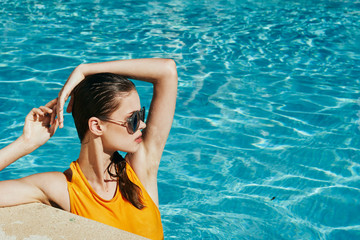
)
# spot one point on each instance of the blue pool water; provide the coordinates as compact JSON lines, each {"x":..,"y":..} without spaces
{"x":265,"y":142}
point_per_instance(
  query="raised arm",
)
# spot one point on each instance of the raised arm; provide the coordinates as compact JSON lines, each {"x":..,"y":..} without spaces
{"x":160,"y":72}
{"x":163,"y":75}
{"x":43,"y":187}
{"x":37,"y":131}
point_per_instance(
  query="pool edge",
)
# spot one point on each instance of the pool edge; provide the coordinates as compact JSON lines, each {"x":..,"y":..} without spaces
{"x":37,"y":221}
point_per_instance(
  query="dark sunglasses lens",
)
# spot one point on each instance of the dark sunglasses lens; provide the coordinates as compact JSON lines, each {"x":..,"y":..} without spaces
{"x":135,"y":122}
{"x":142,"y":114}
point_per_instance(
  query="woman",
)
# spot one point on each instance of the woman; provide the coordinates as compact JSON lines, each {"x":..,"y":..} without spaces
{"x":101,"y":185}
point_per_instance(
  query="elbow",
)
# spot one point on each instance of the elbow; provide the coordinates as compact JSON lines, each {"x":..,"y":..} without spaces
{"x":170,"y":70}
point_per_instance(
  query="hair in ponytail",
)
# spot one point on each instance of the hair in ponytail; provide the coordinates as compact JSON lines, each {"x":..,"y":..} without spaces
{"x":97,"y":96}
{"x":128,"y":189}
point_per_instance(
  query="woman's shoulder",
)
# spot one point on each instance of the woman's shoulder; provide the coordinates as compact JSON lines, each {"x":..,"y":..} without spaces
{"x":53,"y":181}
{"x":54,"y":187}
{"x":58,"y":190}
{"x":47,"y":178}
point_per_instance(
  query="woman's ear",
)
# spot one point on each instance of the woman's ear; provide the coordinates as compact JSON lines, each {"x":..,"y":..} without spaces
{"x":95,"y":126}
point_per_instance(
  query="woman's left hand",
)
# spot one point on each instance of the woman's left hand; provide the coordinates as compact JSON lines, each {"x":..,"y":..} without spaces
{"x":74,"y":79}
{"x":37,"y":129}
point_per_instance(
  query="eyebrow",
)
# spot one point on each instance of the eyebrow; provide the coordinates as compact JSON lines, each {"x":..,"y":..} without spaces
{"x":130,"y":113}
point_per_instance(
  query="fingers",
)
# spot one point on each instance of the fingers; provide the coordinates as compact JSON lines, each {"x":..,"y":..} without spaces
{"x":41,"y":111}
{"x":46,"y":110}
{"x":54,"y":127}
{"x":49,"y":109}
{"x":60,"y":107}
{"x":53,"y":115}
{"x":60,"y":115}
{"x":73,"y":80}
{"x":52,"y":103}
{"x":37,"y":111}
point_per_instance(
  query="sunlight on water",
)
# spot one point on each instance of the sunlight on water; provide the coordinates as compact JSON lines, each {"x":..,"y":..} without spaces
{"x":265,"y":140}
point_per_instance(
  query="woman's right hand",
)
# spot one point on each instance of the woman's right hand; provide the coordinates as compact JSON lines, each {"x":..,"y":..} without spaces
{"x":37,"y":129}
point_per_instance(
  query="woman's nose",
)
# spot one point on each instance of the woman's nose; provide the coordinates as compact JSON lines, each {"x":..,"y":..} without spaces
{"x":142,"y":125}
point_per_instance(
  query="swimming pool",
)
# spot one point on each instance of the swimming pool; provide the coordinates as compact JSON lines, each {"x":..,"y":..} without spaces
{"x":266,"y":137}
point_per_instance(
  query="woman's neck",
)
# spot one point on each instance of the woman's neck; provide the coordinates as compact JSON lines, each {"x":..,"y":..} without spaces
{"x":94,"y":161}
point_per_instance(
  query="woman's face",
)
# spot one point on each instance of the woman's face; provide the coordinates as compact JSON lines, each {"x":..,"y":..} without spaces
{"x":116,"y":137}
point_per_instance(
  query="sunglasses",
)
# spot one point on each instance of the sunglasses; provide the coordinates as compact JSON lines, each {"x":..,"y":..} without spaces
{"x":133,"y":122}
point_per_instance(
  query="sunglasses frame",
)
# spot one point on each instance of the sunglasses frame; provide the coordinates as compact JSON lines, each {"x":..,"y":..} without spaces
{"x":129,"y":124}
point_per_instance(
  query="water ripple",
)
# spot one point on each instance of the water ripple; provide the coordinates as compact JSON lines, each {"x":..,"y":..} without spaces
{"x":265,"y":140}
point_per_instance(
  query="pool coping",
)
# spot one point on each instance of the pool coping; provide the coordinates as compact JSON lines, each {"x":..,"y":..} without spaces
{"x":38,"y":221}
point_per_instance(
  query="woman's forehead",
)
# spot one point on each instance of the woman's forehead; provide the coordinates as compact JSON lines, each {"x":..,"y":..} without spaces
{"x":128,"y":103}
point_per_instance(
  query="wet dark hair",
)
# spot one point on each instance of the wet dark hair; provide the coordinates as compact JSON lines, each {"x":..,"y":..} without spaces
{"x":98,"y":96}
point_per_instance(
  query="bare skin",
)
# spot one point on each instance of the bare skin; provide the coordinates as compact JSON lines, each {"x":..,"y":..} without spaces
{"x":143,"y":155}
{"x":36,"y":132}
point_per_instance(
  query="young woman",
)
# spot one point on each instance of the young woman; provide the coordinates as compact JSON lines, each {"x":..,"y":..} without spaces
{"x":100,"y":184}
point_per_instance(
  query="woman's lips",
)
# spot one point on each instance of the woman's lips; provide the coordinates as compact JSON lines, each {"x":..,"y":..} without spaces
{"x":139,"y":139}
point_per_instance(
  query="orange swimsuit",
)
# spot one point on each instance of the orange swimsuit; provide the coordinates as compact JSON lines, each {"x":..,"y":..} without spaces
{"x":117,"y":212}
